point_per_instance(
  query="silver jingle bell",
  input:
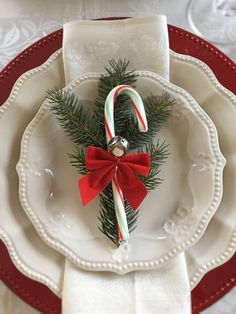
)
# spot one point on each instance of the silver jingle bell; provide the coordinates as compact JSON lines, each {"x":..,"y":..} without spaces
{"x":118,"y":146}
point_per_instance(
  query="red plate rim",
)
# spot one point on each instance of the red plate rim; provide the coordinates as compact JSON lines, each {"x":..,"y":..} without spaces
{"x":215,"y":283}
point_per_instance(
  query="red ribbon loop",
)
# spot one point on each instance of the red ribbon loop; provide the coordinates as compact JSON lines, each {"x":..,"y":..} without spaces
{"x":103,"y":166}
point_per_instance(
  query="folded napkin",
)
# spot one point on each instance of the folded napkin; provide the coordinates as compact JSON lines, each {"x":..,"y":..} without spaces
{"x":165,"y":290}
{"x":87,"y":47}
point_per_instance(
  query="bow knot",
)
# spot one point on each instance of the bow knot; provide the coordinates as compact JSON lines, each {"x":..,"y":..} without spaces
{"x":104,"y":166}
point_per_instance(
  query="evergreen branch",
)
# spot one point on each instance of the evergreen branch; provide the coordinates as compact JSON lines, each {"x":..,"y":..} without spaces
{"x":79,"y":124}
{"x":132,"y":216}
{"x":78,"y":159}
{"x":152,"y":181}
{"x":158,"y":154}
{"x":86,"y":128}
{"x":107,"y":213}
{"x":108,"y":219}
{"x":158,"y":110}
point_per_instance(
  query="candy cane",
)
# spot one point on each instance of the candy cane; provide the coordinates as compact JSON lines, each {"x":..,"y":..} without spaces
{"x":123,"y":229}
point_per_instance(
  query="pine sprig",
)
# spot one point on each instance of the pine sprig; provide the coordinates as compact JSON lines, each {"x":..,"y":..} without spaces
{"x":108,"y":216}
{"x":77,"y":159}
{"x":78,"y":123}
{"x":157,"y":109}
{"x":158,"y":154}
{"x":86,"y":128}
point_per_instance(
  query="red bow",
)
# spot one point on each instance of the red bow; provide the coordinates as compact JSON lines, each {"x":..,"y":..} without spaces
{"x":103,"y":165}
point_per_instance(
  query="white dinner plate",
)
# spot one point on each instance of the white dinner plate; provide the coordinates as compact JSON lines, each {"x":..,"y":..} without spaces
{"x":187,"y":199}
{"x":218,"y":242}
{"x":30,"y":255}
{"x":201,"y":258}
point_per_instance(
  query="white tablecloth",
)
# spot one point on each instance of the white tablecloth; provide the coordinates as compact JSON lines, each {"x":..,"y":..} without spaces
{"x":22,"y":22}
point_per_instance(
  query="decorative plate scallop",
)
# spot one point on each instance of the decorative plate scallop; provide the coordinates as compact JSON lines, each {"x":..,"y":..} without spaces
{"x":189,"y":196}
{"x":30,"y":255}
{"x":220,"y":104}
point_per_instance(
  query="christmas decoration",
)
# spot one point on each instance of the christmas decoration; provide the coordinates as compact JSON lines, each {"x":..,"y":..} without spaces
{"x":118,"y":146}
{"x":120,"y":167}
{"x":120,"y":171}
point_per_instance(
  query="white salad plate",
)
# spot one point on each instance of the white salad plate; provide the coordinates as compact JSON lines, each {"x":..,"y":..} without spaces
{"x":49,"y":267}
{"x":188,"y":197}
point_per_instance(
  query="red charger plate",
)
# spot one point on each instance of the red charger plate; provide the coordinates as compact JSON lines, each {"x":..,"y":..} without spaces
{"x":215,"y":283}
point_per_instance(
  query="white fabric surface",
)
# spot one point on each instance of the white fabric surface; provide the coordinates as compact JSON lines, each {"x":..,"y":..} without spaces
{"x":87,"y":45}
{"x":22,"y":22}
{"x":11,"y":304}
{"x":144,"y":41}
{"x":165,"y":290}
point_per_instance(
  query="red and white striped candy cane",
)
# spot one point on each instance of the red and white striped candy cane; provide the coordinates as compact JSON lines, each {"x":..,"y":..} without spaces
{"x":123,"y":229}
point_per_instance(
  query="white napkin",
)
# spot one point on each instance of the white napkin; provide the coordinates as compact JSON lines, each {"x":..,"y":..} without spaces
{"x":165,"y":290}
{"x":87,"y":46}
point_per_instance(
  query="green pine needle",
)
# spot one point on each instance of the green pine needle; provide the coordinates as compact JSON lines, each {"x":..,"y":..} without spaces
{"x":78,"y":159}
{"x":159,"y":153}
{"x":158,"y":108}
{"x":78,"y":123}
{"x":108,"y":216}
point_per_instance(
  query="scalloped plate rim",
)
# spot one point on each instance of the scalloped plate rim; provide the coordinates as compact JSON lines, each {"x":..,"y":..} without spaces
{"x":22,"y":266}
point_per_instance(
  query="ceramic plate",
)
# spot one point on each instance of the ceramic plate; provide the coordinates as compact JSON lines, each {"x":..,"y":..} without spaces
{"x":28,"y":252}
{"x":186,"y":200}
{"x":199,"y":260}
{"x":217,"y":244}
